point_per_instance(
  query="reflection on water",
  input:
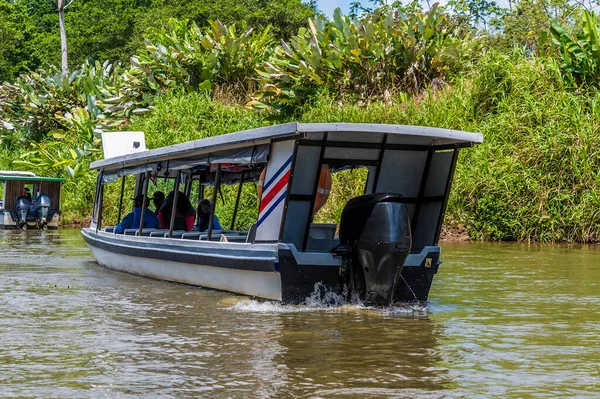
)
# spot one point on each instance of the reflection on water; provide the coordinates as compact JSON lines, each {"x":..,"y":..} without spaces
{"x":503,"y":320}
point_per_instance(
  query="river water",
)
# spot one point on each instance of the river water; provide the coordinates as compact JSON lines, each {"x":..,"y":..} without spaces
{"x":503,"y":320}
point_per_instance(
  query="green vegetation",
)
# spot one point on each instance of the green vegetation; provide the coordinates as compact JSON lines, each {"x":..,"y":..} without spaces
{"x":527,"y":78}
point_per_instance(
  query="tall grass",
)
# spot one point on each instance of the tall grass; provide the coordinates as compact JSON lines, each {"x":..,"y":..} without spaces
{"x":536,"y":176}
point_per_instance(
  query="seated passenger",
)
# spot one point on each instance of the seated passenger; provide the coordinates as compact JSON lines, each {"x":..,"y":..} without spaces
{"x":204,"y":216}
{"x":184,"y":212}
{"x":158,"y":198}
{"x":132,"y":220}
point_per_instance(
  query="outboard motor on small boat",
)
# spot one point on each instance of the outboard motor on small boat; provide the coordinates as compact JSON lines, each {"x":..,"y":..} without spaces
{"x":42,"y":208}
{"x":375,"y":233}
{"x":22,"y":211}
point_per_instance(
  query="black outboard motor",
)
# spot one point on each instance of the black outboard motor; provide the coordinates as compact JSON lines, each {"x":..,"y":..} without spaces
{"x":375,"y":232}
{"x":22,"y":211}
{"x":42,"y":209}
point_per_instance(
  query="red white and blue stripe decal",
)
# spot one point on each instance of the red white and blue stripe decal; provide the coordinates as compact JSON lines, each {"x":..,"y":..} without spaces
{"x":274,"y":191}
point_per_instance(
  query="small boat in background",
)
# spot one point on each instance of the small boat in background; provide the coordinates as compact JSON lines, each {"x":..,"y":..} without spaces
{"x":29,"y":201}
{"x":384,"y":248}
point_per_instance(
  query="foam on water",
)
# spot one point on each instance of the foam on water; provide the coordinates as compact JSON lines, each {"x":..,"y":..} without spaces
{"x":322,"y":299}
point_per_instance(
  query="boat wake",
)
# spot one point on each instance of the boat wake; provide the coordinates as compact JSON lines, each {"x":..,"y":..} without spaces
{"x":323,"y":299}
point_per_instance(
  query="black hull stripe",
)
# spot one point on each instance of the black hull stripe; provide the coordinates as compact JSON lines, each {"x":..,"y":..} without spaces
{"x":142,"y":251}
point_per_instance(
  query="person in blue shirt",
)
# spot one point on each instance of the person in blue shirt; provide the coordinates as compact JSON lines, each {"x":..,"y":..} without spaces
{"x":204,"y":216}
{"x":132,"y":219}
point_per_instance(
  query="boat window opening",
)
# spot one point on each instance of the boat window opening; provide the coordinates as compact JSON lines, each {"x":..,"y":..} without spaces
{"x":196,"y":195}
{"x":97,"y":204}
{"x":119,"y":212}
{"x":100,"y":204}
{"x":174,"y":208}
{"x":247,"y":208}
{"x":188,"y":184}
{"x":345,"y":185}
{"x":213,"y":201}
{"x":237,"y":202}
{"x":117,"y":199}
{"x":144,"y":202}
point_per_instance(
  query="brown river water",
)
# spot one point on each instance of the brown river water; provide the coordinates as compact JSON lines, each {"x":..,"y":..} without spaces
{"x":503,"y":320}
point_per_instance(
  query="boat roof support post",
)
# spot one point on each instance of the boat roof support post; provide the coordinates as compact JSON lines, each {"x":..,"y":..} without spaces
{"x":237,"y":201}
{"x":174,"y":207}
{"x":144,"y":202}
{"x":95,"y":207}
{"x":200,"y":198}
{"x":188,"y":184}
{"x":314,"y":192}
{"x":100,"y":203}
{"x":121,"y":200}
{"x":214,"y":201}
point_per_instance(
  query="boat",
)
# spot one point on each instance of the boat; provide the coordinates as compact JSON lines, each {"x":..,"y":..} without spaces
{"x":384,"y":248}
{"x":29,"y":201}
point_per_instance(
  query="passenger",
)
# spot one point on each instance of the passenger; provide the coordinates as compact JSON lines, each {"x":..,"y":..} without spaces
{"x":184,"y":212}
{"x":27,"y":194}
{"x":158,"y":198}
{"x":204,"y":216}
{"x":132,"y":220}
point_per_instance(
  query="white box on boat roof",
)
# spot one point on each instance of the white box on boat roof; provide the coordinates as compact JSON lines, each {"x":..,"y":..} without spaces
{"x":115,"y":144}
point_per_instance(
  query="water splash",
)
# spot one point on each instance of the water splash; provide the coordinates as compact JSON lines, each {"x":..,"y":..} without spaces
{"x":323,"y":299}
{"x":255,"y":306}
{"x":412,"y":309}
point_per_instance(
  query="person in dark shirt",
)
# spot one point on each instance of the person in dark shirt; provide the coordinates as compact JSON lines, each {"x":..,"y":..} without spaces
{"x":158,"y":198}
{"x":204,"y":216}
{"x":132,"y":219}
{"x":184,"y":212}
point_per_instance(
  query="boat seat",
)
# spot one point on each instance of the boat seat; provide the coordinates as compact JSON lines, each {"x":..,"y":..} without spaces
{"x":146,"y":232}
{"x":176,"y":234}
{"x":200,"y":235}
{"x":235,"y":237}
{"x":130,"y":232}
{"x":109,"y":229}
{"x":164,"y":233}
{"x":191,"y":235}
{"x":159,"y":232}
{"x":216,"y":236}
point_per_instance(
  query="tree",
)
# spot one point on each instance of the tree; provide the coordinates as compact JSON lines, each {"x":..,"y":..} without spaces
{"x":15,"y":32}
{"x":63,"y":36}
{"x":477,"y":13}
{"x":113,"y":29}
{"x":528,"y":20}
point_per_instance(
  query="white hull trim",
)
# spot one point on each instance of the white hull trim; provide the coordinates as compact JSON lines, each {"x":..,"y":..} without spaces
{"x":253,"y":283}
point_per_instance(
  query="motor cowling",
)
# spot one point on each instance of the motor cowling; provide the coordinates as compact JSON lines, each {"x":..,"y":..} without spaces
{"x":22,"y":210}
{"x":42,"y":208}
{"x":375,"y":230}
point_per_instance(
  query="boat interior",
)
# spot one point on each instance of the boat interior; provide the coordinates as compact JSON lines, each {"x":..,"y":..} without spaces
{"x":195,"y":184}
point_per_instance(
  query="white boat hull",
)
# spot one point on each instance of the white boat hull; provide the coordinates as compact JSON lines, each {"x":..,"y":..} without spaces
{"x":264,"y":284}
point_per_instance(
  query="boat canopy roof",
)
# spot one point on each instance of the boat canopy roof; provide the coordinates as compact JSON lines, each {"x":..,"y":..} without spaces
{"x":27,"y":177}
{"x":252,"y":146}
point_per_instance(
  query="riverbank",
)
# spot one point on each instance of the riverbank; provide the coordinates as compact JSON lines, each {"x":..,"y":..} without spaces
{"x":536,"y":177}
